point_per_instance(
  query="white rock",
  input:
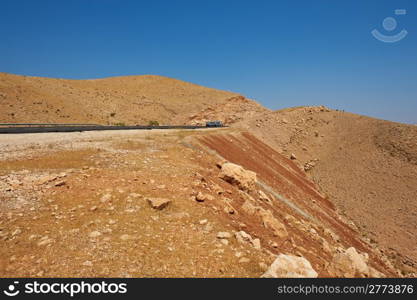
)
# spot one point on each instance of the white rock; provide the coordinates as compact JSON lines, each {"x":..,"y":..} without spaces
{"x":237,"y":175}
{"x":352,"y":264}
{"x":288,"y":266}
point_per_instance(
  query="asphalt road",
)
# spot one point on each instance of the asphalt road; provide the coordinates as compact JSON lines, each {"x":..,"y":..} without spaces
{"x":63,"y":128}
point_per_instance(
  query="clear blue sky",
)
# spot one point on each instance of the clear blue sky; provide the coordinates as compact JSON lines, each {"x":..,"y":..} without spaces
{"x":281,"y":53}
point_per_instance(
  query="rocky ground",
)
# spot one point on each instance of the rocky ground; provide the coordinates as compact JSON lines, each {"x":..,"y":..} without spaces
{"x":330,"y":170}
{"x":167,"y":204}
{"x":96,"y":211}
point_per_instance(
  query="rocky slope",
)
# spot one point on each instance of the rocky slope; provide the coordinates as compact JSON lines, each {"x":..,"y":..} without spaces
{"x":217,"y":203}
{"x":367,"y":167}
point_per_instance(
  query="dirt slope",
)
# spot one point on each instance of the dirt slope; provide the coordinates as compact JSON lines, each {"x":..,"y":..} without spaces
{"x":367,"y":167}
{"x":129,"y":100}
{"x":315,"y":230}
{"x":77,"y":205}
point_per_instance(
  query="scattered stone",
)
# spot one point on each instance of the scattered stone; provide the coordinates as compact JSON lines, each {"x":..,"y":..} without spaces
{"x":203,"y":222}
{"x":309,"y":165}
{"x":237,"y":175}
{"x":243,"y":237}
{"x":16,"y":232}
{"x":352,"y":264}
{"x":60,"y":183}
{"x":229,"y":209}
{"x":263,"y":196}
{"x":244,"y":260}
{"x":135,"y":195}
{"x":87,"y":263}
{"x":293,"y":157}
{"x":45,"y":241}
{"x":269,"y":221}
{"x":200,"y":197}
{"x":158,"y":203}
{"x":256,"y":243}
{"x":94,"y":234}
{"x":249,"y":208}
{"x":289,"y":266}
{"x":224,"y":235}
{"x":125,"y":237}
{"x":208,"y":227}
{"x":46,"y":179}
{"x":224,"y":242}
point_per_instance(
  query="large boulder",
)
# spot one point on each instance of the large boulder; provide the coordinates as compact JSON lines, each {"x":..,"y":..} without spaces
{"x":237,"y":175}
{"x":352,"y":264}
{"x":289,"y":266}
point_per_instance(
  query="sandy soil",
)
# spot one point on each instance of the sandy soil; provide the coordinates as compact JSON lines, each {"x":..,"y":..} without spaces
{"x":77,"y":206}
{"x":83,"y":211}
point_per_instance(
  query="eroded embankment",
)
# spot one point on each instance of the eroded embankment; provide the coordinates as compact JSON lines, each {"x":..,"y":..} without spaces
{"x":315,"y":230}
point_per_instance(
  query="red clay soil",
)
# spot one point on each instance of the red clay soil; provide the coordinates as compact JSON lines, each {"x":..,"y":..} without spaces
{"x":289,"y":181}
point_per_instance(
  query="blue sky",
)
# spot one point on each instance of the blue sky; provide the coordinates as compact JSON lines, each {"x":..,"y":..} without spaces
{"x":281,"y":53}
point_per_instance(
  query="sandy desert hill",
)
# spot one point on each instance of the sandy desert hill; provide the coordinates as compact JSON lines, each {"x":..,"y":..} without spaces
{"x":364,"y":168}
{"x":130,"y":100}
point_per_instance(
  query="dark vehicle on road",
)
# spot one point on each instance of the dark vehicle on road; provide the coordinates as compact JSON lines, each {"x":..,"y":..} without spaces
{"x":214,"y":124}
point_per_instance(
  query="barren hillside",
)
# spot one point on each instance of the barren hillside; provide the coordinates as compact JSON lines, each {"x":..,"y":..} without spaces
{"x":328,"y":181}
{"x":366,"y":166}
{"x":130,"y":100}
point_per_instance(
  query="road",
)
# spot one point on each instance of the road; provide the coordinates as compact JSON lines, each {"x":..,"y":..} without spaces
{"x":77,"y":128}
